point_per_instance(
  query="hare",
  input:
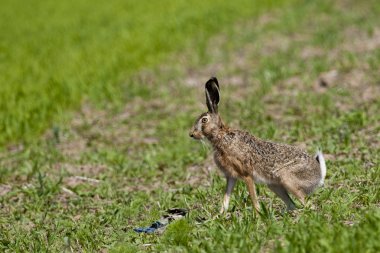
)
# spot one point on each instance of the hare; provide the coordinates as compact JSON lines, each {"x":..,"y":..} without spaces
{"x":239,"y":155}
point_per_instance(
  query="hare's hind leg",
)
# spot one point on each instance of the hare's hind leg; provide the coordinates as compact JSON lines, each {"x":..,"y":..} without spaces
{"x":283,"y":194}
{"x":252,"y":192}
{"x":229,"y":187}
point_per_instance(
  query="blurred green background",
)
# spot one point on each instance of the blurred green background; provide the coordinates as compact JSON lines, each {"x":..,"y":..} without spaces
{"x":55,"y":54}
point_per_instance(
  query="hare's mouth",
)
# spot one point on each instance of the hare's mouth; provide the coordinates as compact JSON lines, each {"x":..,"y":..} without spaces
{"x":196,"y":136}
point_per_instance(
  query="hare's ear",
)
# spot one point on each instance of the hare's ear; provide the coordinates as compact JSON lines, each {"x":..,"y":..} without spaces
{"x":212,"y":95}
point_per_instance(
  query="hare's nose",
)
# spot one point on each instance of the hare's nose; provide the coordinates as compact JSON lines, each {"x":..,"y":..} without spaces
{"x":191,"y":135}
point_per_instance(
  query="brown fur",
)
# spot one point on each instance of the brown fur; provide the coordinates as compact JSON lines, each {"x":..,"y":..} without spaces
{"x":239,"y":155}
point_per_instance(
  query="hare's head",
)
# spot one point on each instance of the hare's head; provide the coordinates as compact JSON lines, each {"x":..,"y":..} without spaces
{"x":208,"y":123}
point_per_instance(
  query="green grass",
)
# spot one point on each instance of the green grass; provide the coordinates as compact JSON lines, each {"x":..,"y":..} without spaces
{"x":54,"y":55}
{"x":139,"y":150}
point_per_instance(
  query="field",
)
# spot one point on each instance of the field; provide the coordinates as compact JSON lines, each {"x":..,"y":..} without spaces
{"x":54,"y":58}
{"x":95,"y":122}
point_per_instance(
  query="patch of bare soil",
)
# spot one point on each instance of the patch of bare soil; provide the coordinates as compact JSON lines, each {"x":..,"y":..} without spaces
{"x":200,"y":174}
{"x":356,"y":83}
{"x":93,"y":128}
{"x":196,"y":175}
{"x":309,"y":52}
{"x":74,"y":181}
{"x":359,"y":41}
{"x":359,"y":86}
{"x":88,"y":170}
{"x":355,"y":41}
{"x":283,"y":97}
{"x":4,"y":189}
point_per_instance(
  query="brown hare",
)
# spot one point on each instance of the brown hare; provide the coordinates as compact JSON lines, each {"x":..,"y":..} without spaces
{"x":239,"y":155}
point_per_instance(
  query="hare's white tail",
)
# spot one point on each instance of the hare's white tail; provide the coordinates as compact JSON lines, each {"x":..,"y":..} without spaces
{"x":322,"y":164}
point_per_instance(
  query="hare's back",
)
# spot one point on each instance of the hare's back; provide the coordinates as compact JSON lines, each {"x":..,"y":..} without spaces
{"x":275,"y":157}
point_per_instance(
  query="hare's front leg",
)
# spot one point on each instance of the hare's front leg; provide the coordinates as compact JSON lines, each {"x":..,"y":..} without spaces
{"x":252,"y":192}
{"x":229,"y":187}
{"x":281,"y":192}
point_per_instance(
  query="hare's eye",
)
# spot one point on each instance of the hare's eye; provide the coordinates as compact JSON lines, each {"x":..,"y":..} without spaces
{"x":204,"y":120}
